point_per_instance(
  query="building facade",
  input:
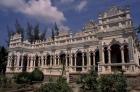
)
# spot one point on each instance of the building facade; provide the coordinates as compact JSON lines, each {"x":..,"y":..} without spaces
{"x":108,"y":45}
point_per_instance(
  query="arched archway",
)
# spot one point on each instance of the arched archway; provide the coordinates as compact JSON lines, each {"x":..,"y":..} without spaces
{"x":115,"y":54}
{"x":25,"y":58}
{"x":105,"y":55}
{"x":79,"y":61}
{"x":126,"y":54}
{"x":12,"y":62}
{"x":97,"y":59}
{"x":116,"y":57}
{"x":36,"y":60}
{"x":48,"y":59}
{"x":63,"y":58}
{"x":91,"y":58}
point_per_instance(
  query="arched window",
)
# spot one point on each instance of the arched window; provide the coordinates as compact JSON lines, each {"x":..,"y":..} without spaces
{"x":48,"y":59}
{"x":68,"y":61}
{"x":13,"y":62}
{"x":106,"y":55}
{"x":85,"y":58}
{"x":91,"y":58}
{"x":36,"y":60}
{"x":97,"y":59}
{"x":20,"y":60}
{"x":115,"y":54}
{"x":79,"y":61}
{"x":73,"y":60}
{"x":63,"y":58}
{"x":25,"y":58}
{"x":116,"y":57}
{"x":126,"y":54}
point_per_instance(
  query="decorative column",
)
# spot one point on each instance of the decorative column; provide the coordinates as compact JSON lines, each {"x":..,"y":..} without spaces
{"x":131,"y":49}
{"x":109,"y":55}
{"x":89,"y":61}
{"x":66,"y":60}
{"x":45,"y":60}
{"x":22,"y":60}
{"x":83,"y":62}
{"x":31,"y":63}
{"x":71,"y":60}
{"x":94,"y":60}
{"x":122,"y":54}
{"x":42,"y":59}
{"x":28,"y":62}
{"x":54,"y":60}
{"x":18,"y":60}
{"x":58,"y":60}
{"x":50,"y":60}
{"x":109,"y":58}
{"x":103,"y":57}
{"x":75,"y":61}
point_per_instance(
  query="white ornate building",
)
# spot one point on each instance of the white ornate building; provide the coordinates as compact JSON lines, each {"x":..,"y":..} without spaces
{"x":108,"y":45}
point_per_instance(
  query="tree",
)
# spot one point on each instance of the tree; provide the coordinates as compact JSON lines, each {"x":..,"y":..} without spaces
{"x":3,"y":59}
{"x":9,"y":34}
{"x":112,"y":83}
{"x":56,"y":29}
{"x":5,"y":82}
{"x":29,"y":32}
{"x":138,"y":29}
{"x":43,"y":35}
{"x":19,"y":29}
{"x":89,"y":81}
{"x":59,"y":86}
{"x":53,"y":34}
{"x":22,"y":78}
{"x":36,"y":75}
{"x":34,"y":33}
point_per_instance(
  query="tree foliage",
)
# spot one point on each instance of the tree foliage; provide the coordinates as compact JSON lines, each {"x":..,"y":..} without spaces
{"x":22,"y":78}
{"x":55,"y":31}
{"x":3,"y":59}
{"x":34,"y":33}
{"x":5,"y":81}
{"x":104,"y":83}
{"x":59,"y":86}
{"x":89,"y":81}
{"x":25,"y":77}
{"x":36,"y":75}
{"x":112,"y":83}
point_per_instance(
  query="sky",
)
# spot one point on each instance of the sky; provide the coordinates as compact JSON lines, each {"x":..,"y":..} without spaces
{"x":68,"y":14}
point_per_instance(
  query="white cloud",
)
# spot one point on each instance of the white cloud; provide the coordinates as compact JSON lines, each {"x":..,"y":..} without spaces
{"x":66,"y":1}
{"x":81,"y":5}
{"x":63,"y":27}
{"x":40,"y":9}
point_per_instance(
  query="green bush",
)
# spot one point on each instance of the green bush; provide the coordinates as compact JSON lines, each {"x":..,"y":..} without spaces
{"x":36,"y":75}
{"x":58,"y":86}
{"x":25,"y":77}
{"x":5,"y":82}
{"x":112,"y":83}
{"x":22,"y":78}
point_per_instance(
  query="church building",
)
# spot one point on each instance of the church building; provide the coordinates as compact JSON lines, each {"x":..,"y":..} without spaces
{"x":108,"y":45}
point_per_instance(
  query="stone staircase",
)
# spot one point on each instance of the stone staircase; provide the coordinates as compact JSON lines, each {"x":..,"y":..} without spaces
{"x":71,"y":79}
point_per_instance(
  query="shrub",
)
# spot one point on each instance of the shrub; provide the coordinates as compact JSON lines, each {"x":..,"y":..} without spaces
{"x":36,"y":75}
{"x":59,"y":86}
{"x":89,"y":81}
{"x":5,"y":82}
{"x":112,"y":83}
{"x":21,"y":78}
